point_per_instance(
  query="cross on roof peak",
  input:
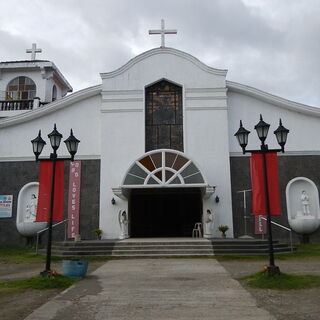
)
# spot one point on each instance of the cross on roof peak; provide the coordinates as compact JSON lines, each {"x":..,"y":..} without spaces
{"x":163,"y":32}
{"x":33,"y":51}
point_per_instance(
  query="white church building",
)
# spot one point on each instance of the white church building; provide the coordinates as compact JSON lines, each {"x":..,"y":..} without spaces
{"x":157,"y":143}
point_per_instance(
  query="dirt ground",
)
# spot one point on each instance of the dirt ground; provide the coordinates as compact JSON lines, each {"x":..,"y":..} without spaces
{"x":19,"y":306}
{"x":293,"y":305}
{"x":284,"y":305}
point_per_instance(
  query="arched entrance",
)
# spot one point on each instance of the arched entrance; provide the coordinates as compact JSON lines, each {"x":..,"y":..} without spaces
{"x":165,"y":191}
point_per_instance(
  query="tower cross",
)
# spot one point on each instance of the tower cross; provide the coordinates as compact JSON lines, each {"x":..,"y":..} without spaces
{"x":163,"y":32}
{"x":33,"y":51}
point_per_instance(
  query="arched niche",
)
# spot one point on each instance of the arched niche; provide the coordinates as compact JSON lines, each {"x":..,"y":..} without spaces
{"x":27,"y":210}
{"x":302,"y":198}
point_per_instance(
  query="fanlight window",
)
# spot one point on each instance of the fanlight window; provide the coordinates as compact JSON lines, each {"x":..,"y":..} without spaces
{"x":21,"y":88}
{"x":163,"y":168}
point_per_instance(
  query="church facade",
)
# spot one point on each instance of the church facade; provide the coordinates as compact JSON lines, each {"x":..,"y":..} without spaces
{"x":158,"y":152}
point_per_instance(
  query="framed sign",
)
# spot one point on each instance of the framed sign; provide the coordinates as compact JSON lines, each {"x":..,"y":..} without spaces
{"x":6,"y":206}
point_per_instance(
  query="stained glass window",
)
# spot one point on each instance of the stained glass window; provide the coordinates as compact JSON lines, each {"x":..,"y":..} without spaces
{"x":163,"y":168}
{"x":164,"y":118}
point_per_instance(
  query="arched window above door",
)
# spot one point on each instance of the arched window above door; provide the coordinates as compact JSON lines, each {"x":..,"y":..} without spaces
{"x":163,"y":168}
{"x":21,"y":88}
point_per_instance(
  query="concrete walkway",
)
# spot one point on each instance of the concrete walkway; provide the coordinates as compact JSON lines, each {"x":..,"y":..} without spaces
{"x":157,"y":289}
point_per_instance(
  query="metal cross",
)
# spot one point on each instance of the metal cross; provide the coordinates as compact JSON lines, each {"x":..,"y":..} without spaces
{"x":163,"y":31}
{"x":33,"y":51}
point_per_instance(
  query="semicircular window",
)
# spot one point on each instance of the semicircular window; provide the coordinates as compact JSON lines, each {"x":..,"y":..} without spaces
{"x":21,"y":88}
{"x":163,"y":168}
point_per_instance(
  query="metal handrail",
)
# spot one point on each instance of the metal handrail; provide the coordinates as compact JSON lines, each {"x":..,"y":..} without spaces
{"x":283,"y":227}
{"x":45,"y":229}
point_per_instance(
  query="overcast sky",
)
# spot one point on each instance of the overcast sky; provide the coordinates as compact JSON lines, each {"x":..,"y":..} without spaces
{"x":272,"y":45}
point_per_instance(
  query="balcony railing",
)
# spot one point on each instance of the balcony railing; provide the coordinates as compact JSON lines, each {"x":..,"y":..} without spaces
{"x":8,"y":105}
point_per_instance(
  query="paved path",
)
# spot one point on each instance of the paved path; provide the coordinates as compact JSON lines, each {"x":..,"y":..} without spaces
{"x":157,"y":289}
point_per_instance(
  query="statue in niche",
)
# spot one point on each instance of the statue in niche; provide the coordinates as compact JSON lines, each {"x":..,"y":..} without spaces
{"x":124,"y":224}
{"x":208,"y":222}
{"x":305,"y":203}
{"x":31,"y":209}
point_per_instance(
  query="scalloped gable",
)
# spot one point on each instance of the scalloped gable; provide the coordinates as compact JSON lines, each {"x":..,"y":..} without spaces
{"x":169,"y":63}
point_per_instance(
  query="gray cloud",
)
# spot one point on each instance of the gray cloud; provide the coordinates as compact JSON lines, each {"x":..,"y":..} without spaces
{"x":268,"y":44}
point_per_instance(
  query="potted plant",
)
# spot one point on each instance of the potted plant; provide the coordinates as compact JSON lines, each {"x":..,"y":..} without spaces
{"x":98,"y":232}
{"x":223,"y":230}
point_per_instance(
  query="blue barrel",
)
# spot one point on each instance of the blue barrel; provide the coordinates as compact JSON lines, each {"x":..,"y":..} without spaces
{"x":74,"y":268}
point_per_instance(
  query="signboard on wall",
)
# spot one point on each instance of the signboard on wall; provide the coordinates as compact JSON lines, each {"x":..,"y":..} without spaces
{"x":74,"y":199}
{"x":6,"y":206}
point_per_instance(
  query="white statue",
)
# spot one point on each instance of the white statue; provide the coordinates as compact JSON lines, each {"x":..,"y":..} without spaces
{"x":31,"y":208}
{"x":207,"y":223}
{"x":124,"y":224}
{"x":305,"y":203}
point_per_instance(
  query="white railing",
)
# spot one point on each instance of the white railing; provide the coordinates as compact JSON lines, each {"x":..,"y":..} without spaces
{"x":283,"y":227}
{"x":11,"y":105}
{"x":45,"y":229}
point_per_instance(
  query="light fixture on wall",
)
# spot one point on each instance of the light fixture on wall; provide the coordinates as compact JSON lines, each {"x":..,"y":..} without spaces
{"x":113,"y":201}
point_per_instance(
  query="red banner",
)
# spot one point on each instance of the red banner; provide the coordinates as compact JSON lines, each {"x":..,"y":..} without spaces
{"x":258,"y":184}
{"x":45,"y":191}
{"x":74,"y":198}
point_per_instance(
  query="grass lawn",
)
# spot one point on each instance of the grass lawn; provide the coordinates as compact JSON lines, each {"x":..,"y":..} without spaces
{"x":38,"y":283}
{"x":304,"y":251}
{"x":17,"y":254}
{"x":283,"y":281}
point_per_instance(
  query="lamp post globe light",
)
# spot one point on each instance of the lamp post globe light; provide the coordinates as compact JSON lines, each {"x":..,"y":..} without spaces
{"x":281,"y":133}
{"x":38,"y":144}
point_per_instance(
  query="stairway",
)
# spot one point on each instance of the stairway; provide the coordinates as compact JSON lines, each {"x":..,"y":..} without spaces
{"x":164,"y":247}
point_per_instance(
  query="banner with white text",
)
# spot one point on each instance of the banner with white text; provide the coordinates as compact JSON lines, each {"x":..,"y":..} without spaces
{"x":74,"y":199}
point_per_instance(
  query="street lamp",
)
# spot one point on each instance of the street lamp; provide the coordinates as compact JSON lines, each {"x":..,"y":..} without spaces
{"x":281,"y":134}
{"x":37,"y":144}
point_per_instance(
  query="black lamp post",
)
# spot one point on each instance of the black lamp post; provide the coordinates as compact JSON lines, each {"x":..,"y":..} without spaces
{"x":281,"y":133}
{"x":38,"y":143}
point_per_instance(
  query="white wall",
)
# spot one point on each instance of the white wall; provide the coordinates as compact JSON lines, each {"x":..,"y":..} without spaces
{"x":83,"y":116}
{"x":304,"y":126}
{"x":123,"y":127}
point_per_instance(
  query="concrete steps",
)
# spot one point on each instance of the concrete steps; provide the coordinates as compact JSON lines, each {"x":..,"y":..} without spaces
{"x":164,"y":247}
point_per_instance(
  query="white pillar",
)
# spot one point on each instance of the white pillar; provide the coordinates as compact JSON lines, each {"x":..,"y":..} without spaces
{"x":36,"y":103}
